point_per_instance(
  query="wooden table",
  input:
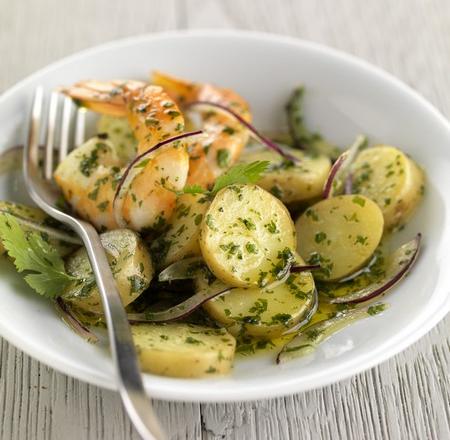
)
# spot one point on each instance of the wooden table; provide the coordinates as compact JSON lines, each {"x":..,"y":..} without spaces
{"x":406,"y":397}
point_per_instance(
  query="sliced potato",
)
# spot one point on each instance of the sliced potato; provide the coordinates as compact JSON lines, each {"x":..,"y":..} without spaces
{"x":39,"y":218}
{"x":247,"y":237}
{"x":391,"y":179}
{"x":183,"y":350}
{"x":340,"y":233}
{"x":291,"y":182}
{"x":120,"y":134}
{"x":267,"y":312}
{"x":181,"y":240}
{"x":130,"y":263}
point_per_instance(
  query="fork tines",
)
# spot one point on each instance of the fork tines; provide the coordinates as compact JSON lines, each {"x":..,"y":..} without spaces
{"x":65,"y":127}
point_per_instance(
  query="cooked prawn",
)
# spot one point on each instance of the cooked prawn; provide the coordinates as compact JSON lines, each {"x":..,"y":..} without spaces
{"x":89,"y":175}
{"x":225,"y":137}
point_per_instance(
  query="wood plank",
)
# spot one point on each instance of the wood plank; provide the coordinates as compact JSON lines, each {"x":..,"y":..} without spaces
{"x":37,"y":402}
{"x":38,"y":32}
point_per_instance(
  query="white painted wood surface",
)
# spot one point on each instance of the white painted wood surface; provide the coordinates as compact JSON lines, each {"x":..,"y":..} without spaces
{"x":404,"y":398}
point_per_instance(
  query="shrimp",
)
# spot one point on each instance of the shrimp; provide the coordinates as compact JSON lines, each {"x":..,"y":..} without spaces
{"x":88,"y":177}
{"x":152,"y":114}
{"x":225,"y":137}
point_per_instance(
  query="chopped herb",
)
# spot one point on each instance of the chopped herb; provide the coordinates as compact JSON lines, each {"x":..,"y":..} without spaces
{"x":359,"y":200}
{"x":361,"y":240}
{"x":102,"y":206}
{"x":285,"y":259}
{"x":223,"y":158}
{"x":207,"y":147}
{"x":247,"y":223}
{"x":326,"y":266}
{"x":198,"y":219}
{"x":229,"y":130}
{"x":276,"y":191}
{"x":312,"y":214}
{"x":375,"y":309}
{"x":151,"y":122}
{"x":320,"y":236}
{"x":282,"y":318}
{"x":191,"y":340}
{"x":272,"y":227}
{"x":89,"y":163}
{"x":231,"y":249}
{"x":94,"y":193}
{"x":259,"y":307}
{"x":352,"y":218}
{"x":173,"y":113}
{"x":251,"y":248}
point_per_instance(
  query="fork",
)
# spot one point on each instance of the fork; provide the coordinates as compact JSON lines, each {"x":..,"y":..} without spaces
{"x":45,"y":194}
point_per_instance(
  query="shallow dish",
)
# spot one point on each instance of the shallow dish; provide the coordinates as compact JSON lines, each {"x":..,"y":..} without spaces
{"x":345,"y":96}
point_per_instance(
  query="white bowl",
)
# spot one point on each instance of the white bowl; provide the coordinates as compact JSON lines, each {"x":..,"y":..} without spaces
{"x":345,"y":96}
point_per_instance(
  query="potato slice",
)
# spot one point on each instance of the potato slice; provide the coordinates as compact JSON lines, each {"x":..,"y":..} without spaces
{"x":181,"y":240}
{"x":130,"y":263}
{"x":391,"y":179}
{"x":120,"y":134}
{"x":340,"y":233}
{"x":291,"y":182}
{"x":183,"y":350}
{"x":247,"y":237}
{"x":267,"y":312}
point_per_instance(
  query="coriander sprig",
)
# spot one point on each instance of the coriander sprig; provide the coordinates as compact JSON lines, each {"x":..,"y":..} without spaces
{"x":31,"y":253}
{"x":243,"y":173}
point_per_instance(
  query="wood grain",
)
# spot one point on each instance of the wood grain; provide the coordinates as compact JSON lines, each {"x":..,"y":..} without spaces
{"x":404,"y":398}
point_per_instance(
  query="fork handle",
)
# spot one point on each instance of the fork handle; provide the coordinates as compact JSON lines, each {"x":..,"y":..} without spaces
{"x":128,"y":374}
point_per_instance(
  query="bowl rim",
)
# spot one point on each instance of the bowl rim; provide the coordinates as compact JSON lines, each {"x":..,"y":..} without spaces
{"x":181,"y":389}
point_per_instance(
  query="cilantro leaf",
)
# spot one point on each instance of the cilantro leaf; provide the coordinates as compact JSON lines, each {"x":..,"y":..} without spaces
{"x":242,"y":173}
{"x":32,"y":253}
{"x":193,"y":189}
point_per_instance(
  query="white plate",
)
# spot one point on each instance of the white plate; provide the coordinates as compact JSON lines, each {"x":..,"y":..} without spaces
{"x":345,"y":96}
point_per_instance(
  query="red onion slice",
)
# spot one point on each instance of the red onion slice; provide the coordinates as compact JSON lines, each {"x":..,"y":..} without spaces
{"x":79,"y":328}
{"x":182,"y":270}
{"x":183,"y":309}
{"x":254,"y":132}
{"x":308,"y":339}
{"x":337,"y":178}
{"x":133,"y":169}
{"x":189,"y":268}
{"x":399,"y":264}
{"x":305,"y":268}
